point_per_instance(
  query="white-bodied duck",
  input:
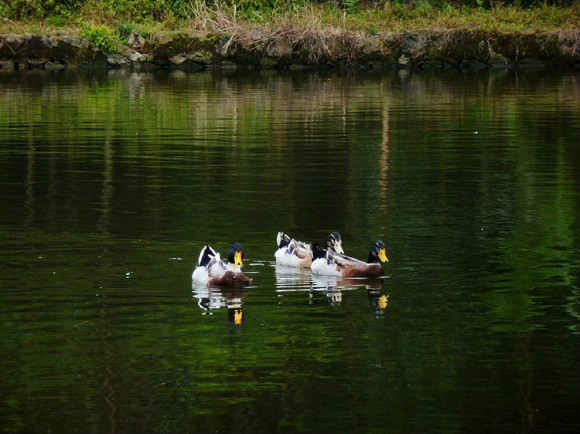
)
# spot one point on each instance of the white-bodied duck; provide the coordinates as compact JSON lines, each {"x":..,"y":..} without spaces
{"x":293,"y":253}
{"x":212,"y":271}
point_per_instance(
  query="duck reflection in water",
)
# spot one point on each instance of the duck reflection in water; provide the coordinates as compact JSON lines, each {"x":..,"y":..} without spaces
{"x":290,"y":279}
{"x":379,"y":302}
{"x":335,"y":286}
{"x":210,"y":299}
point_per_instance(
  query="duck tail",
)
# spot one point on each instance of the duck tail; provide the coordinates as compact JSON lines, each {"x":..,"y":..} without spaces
{"x":206,"y":255}
{"x":317,"y":252}
{"x":282,"y":239}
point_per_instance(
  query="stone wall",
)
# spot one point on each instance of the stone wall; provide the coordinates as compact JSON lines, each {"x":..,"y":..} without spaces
{"x":442,"y":49}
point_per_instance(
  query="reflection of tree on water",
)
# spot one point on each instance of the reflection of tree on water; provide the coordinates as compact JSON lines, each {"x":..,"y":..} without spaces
{"x":209,"y":299}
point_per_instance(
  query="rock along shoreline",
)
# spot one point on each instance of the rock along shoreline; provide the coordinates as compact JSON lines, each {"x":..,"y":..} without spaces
{"x":423,"y":50}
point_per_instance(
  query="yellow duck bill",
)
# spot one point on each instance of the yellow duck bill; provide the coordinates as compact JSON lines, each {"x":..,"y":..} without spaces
{"x":383,"y":255}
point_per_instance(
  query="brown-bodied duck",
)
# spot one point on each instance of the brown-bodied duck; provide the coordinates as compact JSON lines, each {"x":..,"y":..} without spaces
{"x":330,"y":263}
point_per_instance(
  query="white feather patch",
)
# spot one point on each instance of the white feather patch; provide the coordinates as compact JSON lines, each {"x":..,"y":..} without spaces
{"x":324,"y":267}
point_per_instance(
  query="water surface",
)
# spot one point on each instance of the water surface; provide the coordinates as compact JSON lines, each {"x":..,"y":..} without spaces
{"x":112,"y":182}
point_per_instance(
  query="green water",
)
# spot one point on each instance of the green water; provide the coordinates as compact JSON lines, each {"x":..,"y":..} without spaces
{"x":110,"y":184}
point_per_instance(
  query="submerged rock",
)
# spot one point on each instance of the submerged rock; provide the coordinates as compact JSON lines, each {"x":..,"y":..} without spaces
{"x":54,"y":66}
{"x":475,"y":64}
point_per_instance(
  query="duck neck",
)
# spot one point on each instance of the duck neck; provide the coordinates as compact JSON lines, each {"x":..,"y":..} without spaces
{"x":235,"y":268}
{"x":373,"y":259}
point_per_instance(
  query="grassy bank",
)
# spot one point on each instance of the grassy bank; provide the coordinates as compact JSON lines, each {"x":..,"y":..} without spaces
{"x":117,"y":18}
{"x":278,"y":33}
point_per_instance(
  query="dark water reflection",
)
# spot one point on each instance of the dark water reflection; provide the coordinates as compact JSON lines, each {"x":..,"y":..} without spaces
{"x":112,"y":183}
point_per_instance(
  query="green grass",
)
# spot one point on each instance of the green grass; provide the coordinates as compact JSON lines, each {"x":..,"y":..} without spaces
{"x":101,"y":36}
{"x":224,"y":18}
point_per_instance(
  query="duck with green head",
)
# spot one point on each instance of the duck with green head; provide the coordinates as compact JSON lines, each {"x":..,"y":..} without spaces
{"x":330,"y":263}
{"x":212,"y":271}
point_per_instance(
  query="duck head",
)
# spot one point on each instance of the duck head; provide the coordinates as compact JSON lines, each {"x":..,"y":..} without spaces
{"x":334,"y":242}
{"x":236,"y":257}
{"x":282,"y":239}
{"x":377,"y":253}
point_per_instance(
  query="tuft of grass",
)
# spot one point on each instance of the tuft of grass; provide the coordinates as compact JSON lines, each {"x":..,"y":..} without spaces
{"x":101,"y":36}
{"x":124,"y":31}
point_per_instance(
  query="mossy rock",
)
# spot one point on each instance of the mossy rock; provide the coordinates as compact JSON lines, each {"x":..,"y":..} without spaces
{"x":372,"y":49}
{"x":74,"y":49}
{"x":269,"y":62}
{"x":392,"y":43}
{"x":38,"y":49}
{"x":202,"y":56}
{"x":415,"y":45}
{"x":196,"y":48}
{"x":18,"y":47}
{"x":243,"y":57}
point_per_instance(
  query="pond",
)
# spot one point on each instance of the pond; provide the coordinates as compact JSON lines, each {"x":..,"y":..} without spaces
{"x":112,"y":182}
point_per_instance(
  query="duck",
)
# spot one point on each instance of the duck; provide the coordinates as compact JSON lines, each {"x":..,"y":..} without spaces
{"x":330,"y":263}
{"x":293,"y":253}
{"x":212,"y":271}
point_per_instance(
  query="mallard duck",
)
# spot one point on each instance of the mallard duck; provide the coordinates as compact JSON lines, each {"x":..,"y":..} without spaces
{"x":212,"y":271}
{"x":328,"y":262}
{"x":293,"y":253}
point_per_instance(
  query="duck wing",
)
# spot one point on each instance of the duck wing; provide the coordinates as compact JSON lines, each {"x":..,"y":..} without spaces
{"x":300,"y":249}
{"x":305,"y":246}
{"x":295,"y":244}
{"x":216,"y":267}
{"x":292,"y":245}
{"x":343,"y":260}
{"x":206,"y":255}
{"x":302,"y":252}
